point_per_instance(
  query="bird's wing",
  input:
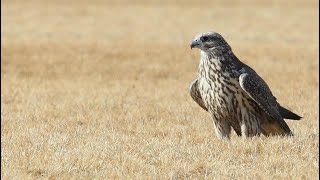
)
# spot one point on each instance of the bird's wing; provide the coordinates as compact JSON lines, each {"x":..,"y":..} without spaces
{"x":259,"y":91}
{"x":195,"y":94}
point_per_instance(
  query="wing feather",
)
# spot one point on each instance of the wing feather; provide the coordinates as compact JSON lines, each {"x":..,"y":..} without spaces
{"x":258,"y":90}
{"x":195,"y":94}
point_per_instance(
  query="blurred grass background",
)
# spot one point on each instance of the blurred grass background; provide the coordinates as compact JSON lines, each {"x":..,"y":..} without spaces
{"x":99,"y":89}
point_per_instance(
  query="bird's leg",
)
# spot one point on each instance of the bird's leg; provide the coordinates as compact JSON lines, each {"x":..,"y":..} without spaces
{"x":250,"y":130}
{"x":244,"y":130}
{"x":236,"y":127}
{"x":222,"y":129}
{"x":221,"y":126}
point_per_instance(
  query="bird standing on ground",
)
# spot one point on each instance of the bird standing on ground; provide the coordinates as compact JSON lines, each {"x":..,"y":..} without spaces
{"x":234,"y":94}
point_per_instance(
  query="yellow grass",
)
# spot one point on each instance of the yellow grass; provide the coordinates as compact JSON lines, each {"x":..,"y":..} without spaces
{"x":99,"y":89}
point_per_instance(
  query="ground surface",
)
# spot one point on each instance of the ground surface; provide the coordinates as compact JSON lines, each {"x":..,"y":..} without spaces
{"x":100,"y":89}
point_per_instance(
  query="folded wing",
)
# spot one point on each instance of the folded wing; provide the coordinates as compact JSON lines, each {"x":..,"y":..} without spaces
{"x":195,"y":94}
{"x":259,"y":91}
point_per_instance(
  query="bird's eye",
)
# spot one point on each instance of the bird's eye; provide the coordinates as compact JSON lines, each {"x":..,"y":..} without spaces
{"x":204,"y":38}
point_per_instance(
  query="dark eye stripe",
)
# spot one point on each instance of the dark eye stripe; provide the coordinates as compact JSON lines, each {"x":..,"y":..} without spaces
{"x":204,"y":38}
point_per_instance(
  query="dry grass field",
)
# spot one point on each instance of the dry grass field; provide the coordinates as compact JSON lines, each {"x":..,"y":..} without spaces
{"x":99,"y":89}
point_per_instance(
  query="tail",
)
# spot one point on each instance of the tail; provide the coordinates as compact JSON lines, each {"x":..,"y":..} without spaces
{"x":287,"y":114}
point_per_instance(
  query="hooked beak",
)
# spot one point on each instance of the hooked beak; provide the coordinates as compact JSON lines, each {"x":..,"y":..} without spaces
{"x":194,"y":44}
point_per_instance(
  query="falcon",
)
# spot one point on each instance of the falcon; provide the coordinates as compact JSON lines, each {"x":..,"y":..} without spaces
{"x":235,"y":96}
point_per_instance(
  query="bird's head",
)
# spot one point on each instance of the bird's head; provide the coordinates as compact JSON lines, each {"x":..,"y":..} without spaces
{"x":209,"y":41}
